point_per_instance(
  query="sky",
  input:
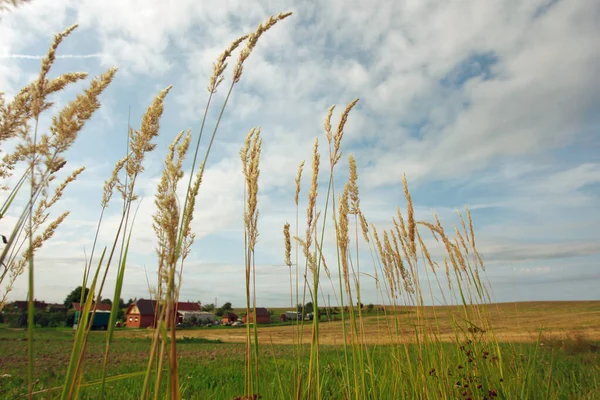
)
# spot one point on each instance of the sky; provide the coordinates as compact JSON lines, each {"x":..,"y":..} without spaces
{"x":493,"y":105}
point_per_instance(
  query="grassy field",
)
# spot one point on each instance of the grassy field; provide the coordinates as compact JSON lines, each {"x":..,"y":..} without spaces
{"x":566,"y":364}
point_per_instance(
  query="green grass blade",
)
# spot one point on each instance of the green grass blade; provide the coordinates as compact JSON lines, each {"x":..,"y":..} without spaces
{"x":78,"y":343}
{"x":115,"y":306}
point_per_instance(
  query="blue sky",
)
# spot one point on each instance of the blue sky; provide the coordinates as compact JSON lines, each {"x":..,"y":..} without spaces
{"x":487,"y":104}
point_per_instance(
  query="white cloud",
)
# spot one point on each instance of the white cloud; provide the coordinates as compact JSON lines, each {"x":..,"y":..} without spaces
{"x":494,"y":136}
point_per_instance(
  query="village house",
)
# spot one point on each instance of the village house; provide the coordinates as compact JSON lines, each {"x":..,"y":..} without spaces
{"x":142,"y":313}
{"x":229,"y":317}
{"x":21,"y":305}
{"x":262,"y":316}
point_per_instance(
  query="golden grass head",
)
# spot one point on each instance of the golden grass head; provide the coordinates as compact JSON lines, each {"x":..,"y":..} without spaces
{"x":221,"y":64}
{"x":298,"y":178}
{"x":364,"y":226}
{"x":327,"y":125}
{"x":288,"y":244}
{"x":312,"y":193}
{"x":71,"y":119}
{"x":339,"y":134}
{"x":410,"y":217}
{"x":343,"y":238}
{"x":38,"y":94}
{"x":250,"y":155}
{"x":252,"y":40}
{"x":353,"y":187}
{"x":110,"y":184}
{"x":188,"y":215}
{"x":141,"y":141}
{"x":166,"y":218}
{"x":58,"y":192}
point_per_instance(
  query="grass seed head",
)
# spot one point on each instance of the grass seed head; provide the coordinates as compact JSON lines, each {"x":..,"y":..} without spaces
{"x":221,"y":64}
{"x":312,"y":194}
{"x":288,"y":245}
{"x":298,"y":178}
{"x":141,"y":141}
{"x":339,"y":134}
{"x":251,"y":43}
{"x":353,"y":187}
{"x":411,"y":218}
{"x":39,"y":90}
{"x":71,"y":119}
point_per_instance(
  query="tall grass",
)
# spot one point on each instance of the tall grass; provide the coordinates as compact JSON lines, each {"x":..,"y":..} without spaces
{"x":413,"y":262}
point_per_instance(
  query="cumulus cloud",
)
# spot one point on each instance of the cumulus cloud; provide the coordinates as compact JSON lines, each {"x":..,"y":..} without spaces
{"x":487,"y":104}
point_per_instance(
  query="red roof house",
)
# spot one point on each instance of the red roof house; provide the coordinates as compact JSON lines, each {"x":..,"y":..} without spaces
{"x":142,"y":313}
{"x":262,"y":316}
{"x":229,"y":317}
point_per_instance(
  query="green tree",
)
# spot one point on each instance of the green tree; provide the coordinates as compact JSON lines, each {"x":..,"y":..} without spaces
{"x":106,"y":301}
{"x":370,"y":307}
{"x":75,"y":297}
{"x":209,"y":307}
{"x":308,"y":307}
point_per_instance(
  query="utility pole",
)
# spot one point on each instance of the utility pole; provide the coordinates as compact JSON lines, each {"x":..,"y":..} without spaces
{"x":215,"y":301}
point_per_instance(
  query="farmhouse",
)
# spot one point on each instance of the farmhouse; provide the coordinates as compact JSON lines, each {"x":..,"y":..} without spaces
{"x":142,"y":313}
{"x":262,"y":316}
{"x":229,"y":317}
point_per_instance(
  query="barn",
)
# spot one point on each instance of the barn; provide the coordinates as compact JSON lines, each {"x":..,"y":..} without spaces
{"x":141,"y":314}
{"x":262,"y":316}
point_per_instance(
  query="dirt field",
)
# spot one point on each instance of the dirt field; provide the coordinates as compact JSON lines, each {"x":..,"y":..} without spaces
{"x":511,"y":322}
